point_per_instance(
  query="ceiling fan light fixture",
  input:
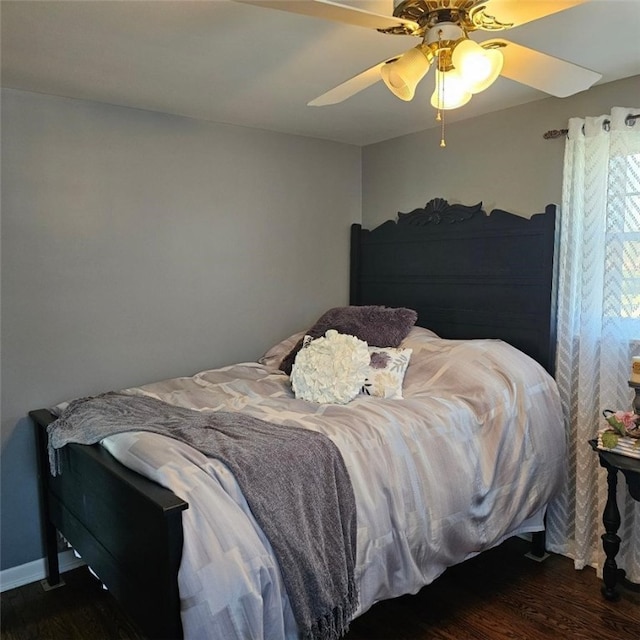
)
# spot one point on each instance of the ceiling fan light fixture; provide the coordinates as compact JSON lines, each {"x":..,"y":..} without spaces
{"x":450,"y":92}
{"x":403,"y":75}
{"x":478,"y":67}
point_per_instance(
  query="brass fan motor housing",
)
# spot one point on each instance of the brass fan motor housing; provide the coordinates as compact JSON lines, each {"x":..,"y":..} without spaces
{"x":468,"y":14}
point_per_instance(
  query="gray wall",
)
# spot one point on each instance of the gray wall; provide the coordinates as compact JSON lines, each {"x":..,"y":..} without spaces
{"x":500,"y":159}
{"x":138,"y":246}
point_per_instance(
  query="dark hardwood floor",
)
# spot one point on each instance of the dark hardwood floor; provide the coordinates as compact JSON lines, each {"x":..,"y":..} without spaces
{"x":499,"y":595}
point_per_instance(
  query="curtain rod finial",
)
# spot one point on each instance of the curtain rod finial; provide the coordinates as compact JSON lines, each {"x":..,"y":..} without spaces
{"x":555,"y":133}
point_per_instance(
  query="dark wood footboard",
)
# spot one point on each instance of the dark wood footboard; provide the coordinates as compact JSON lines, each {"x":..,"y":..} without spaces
{"x":126,"y":528}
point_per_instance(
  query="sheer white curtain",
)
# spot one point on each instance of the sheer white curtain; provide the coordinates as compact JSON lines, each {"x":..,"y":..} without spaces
{"x":598,"y":325}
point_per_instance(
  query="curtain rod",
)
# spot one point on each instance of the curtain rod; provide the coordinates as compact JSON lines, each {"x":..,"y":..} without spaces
{"x":560,"y":133}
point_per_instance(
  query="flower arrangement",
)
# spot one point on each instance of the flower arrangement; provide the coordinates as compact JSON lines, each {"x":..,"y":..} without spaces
{"x":624,"y":424}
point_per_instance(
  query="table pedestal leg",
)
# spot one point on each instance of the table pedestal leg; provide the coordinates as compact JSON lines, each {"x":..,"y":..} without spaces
{"x":610,"y":539}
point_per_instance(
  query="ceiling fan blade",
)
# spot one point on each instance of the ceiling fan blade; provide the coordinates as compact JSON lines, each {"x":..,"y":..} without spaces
{"x":351,"y":86}
{"x":337,"y":12}
{"x":541,"y":71}
{"x":513,"y":14}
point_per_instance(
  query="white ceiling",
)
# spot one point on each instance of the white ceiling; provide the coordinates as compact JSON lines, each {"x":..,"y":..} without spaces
{"x":227,"y":62}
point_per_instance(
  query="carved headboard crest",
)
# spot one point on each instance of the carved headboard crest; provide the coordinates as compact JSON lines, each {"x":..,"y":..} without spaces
{"x":439,"y":210}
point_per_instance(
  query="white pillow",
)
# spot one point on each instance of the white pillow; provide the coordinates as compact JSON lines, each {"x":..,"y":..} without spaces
{"x":386,"y":372}
{"x":330,"y":369}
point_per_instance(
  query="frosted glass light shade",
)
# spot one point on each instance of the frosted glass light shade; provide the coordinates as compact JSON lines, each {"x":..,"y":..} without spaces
{"x":402,"y":75}
{"x":450,"y":91}
{"x":478,"y":67}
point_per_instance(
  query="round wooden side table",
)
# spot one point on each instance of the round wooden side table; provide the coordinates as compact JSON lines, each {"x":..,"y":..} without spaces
{"x":630,"y":467}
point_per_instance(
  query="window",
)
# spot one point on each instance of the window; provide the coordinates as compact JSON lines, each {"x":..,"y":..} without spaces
{"x":622,"y":266}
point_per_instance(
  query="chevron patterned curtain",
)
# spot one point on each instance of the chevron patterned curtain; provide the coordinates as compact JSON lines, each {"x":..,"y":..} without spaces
{"x":598,"y":325}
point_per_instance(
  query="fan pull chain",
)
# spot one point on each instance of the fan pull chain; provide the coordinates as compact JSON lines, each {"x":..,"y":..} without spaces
{"x":440,"y":112}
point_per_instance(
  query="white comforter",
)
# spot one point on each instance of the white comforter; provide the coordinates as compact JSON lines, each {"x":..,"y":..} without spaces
{"x":470,"y":456}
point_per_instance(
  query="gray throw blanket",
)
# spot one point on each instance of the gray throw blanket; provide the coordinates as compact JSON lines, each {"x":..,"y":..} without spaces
{"x":294,"y":480}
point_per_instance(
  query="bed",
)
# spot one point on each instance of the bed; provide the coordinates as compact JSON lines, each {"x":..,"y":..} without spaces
{"x":482,"y":287}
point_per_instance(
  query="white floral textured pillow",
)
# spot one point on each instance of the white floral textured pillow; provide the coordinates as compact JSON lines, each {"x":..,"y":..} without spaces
{"x":330,"y":369}
{"x":386,"y":372}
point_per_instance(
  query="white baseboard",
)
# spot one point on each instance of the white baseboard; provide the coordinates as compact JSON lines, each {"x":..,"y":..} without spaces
{"x":36,"y":570}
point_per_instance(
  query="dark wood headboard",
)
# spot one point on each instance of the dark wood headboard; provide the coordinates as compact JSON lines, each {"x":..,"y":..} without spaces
{"x":468,"y":275}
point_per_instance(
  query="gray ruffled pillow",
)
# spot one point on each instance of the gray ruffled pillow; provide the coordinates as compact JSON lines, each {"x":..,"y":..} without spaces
{"x":378,"y":326}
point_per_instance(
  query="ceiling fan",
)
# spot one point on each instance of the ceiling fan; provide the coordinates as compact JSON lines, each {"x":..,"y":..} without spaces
{"x":463,"y":66}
